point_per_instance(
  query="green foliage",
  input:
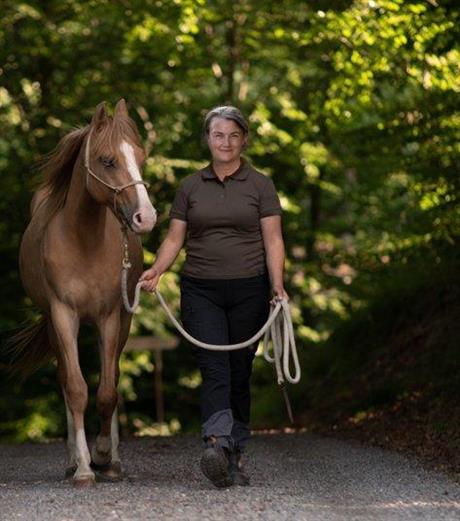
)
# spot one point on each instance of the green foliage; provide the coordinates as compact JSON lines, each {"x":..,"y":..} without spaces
{"x":353,"y":111}
{"x":403,"y":344}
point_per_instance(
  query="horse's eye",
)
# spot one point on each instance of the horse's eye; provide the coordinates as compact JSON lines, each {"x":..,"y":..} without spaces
{"x":108,"y":162}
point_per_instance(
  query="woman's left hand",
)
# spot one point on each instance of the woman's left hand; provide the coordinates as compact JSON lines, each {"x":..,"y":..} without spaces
{"x":279,"y":294}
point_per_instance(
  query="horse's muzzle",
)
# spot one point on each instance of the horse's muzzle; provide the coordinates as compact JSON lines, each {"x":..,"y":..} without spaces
{"x":144,"y":219}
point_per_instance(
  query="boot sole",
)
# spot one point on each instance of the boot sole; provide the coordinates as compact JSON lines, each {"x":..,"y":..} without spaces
{"x":215,"y":467}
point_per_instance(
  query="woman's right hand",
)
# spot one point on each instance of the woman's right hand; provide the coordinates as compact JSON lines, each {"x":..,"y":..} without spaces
{"x":166,"y":254}
{"x":150,"y":279}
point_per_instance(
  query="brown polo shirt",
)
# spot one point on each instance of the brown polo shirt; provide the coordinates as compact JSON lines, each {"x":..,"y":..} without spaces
{"x":224,"y":239}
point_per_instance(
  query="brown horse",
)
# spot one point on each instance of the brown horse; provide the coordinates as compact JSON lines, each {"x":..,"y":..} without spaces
{"x":70,"y":263}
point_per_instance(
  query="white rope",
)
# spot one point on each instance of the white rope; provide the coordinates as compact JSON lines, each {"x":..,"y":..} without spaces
{"x":278,"y":330}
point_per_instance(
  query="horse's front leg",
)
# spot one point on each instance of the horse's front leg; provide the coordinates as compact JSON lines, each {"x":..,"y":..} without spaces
{"x":71,"y":439}
{"x":104,"y":453}
{"x":65,"y":325}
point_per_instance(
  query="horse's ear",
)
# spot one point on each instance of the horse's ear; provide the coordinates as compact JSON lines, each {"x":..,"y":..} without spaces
{"x":121,"y":110}
{"x":100,"y":116}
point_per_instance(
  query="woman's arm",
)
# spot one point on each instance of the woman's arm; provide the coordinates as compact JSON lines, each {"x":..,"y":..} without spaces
{"x":274,"y":250}
{"x":166,"y":255}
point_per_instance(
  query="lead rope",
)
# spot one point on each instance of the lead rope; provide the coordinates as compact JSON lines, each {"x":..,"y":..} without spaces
{"x":278,"y":330}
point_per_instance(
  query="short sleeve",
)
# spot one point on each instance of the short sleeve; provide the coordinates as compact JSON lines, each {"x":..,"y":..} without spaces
{"x":180,"y":205}
{"x":269,"y":201}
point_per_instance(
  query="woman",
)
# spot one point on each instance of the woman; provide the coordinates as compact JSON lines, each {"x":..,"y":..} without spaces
{"x":228,"y":215}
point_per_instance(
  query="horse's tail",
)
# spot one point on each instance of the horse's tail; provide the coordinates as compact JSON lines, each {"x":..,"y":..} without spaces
{"x":30,"y":349}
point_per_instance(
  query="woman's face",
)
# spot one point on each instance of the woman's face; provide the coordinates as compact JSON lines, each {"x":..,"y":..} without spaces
{"x":226,"y":140}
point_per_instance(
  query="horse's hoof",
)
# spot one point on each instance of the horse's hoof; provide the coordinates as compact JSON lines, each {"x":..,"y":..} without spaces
{"x":110,"y":472}
{"x":100,"y":459}
{"x":70,"y":471}
{"x":86,"y":482}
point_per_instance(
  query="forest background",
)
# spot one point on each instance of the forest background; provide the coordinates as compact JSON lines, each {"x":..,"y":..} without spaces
{"x":354,"y":113}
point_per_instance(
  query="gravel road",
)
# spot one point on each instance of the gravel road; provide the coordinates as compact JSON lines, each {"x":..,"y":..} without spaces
{"x":294,"y":476}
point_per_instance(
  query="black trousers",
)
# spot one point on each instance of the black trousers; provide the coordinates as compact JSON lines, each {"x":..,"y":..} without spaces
{"x":225,"y":312}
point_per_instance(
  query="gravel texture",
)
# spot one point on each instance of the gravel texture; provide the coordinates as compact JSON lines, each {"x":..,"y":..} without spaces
{"x":294,"y":476}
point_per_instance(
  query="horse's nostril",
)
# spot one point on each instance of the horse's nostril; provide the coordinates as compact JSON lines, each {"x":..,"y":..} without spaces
{"x":143,"y":220}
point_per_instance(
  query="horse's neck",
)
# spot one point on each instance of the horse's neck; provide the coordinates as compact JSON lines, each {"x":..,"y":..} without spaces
{"x":81,"y":211}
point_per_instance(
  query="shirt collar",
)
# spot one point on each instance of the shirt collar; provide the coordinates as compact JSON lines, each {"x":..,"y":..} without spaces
{"x":240,"y":174}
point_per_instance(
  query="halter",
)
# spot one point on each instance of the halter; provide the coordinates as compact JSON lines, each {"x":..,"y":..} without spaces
{"x":116,"y":189}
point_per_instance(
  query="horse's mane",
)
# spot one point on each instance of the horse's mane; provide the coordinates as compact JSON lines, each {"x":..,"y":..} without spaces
{"x":58,"y":166}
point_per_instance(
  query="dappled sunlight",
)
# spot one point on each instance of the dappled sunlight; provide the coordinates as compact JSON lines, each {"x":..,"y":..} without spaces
{"x":143,"y":428}
{"x":353,"y":112}
{"x":191,"y":381}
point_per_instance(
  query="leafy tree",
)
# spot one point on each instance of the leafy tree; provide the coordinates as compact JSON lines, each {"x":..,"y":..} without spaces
{"x":353,"y":110}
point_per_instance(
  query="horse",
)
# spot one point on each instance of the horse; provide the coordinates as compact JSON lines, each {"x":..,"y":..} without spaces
{"x":70,"y":264}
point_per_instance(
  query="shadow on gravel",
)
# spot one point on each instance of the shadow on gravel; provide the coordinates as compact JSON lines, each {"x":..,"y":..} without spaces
{"x":298,"y":476}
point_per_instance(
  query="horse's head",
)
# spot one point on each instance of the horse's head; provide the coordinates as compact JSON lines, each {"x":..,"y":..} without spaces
{"x":113,"y":158}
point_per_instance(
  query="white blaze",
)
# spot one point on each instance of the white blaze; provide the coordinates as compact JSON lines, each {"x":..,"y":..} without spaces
{"x":144,"y":201}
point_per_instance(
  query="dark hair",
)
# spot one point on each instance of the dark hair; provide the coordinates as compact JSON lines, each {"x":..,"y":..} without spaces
{"x":226,"y":112}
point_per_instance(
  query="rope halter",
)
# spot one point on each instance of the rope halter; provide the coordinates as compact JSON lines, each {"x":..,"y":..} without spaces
{"x":115,"y":189}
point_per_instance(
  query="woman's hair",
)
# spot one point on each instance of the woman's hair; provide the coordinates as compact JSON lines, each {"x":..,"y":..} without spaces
{"x":226,"y":112}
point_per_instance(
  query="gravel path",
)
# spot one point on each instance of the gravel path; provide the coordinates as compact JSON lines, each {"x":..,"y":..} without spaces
{"x":294,"y":476}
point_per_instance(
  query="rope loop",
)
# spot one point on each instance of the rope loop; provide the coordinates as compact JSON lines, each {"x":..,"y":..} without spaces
{"x":277,"y":331}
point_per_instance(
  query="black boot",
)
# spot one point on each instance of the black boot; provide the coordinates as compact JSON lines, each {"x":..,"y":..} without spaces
{"x":236,"y":470}
{"x":215,"y":464}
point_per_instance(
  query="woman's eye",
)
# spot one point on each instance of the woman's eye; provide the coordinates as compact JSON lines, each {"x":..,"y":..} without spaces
{"x":108,"y":162}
